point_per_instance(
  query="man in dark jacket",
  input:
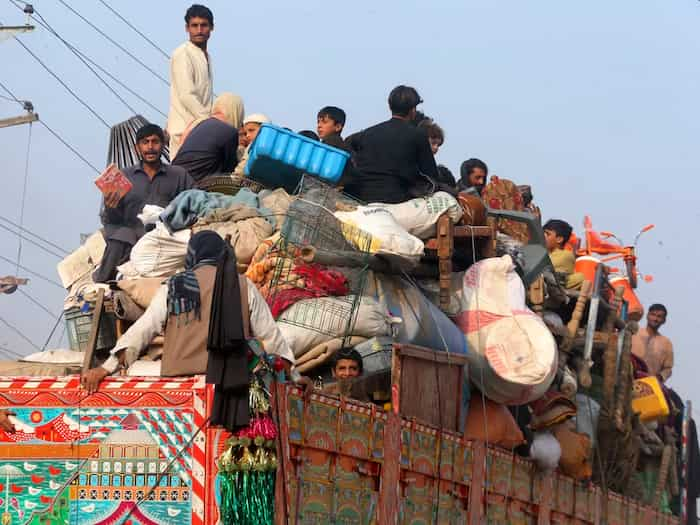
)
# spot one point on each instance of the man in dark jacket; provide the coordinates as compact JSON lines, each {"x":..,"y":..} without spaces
{"x":152,"y":183}
{"x":393,"y":158}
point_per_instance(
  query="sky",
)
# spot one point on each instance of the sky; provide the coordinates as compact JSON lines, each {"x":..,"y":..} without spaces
{"x":592,"y":103}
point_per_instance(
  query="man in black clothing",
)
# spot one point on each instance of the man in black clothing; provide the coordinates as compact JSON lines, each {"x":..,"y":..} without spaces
{"x":211,"y":145}
{"x":329,"y":124}
{"x":473,"y":175}
{"x":152,"y":183}
{"x":393,"y":158}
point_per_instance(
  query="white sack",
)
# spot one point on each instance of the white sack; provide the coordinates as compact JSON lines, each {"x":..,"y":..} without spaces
{"x":312,"y":322}
{"x":150,"y":214}
{"x":419,"y":216}
{"x":545,"y":451}
{"x":388,"y":235}
{"x":514,"y":356}
{"x":82,"y":261}
{"x":160,"y":253}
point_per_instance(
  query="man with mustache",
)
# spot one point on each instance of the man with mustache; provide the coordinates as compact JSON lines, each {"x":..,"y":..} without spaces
{"x":190,"y":76}
{"x":152,"y":183}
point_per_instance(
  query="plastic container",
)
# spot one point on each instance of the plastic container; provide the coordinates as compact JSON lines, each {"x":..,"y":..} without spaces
{"x":278,"y":158}
{"x":587,"y":266}
{"x":648,"y":399}
{"x":78,"y":324}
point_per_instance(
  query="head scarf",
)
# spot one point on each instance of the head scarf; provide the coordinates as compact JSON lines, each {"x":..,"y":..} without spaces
{"x":227,"y":107}
{"x":205,"y":247}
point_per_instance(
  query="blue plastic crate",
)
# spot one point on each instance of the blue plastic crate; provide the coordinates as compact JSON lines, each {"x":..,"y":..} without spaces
{"x":278,"y":158}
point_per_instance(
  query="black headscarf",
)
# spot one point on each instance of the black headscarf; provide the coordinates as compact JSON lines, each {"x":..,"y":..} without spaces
{"x":205,"y":247}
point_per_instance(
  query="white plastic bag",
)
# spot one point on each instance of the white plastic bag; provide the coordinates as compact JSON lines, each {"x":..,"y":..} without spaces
{"x":160,"y":253}
{"x":389,"y":235}
{"x":150,"y":214}
{"x":419,"y":216}
{"x":514,"y":356}
{"x":311,"y":322}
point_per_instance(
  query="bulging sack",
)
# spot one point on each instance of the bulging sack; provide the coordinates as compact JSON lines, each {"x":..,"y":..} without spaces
{"x":514,"y":356}
{"x":387,"y":235}
{"x":419,"y":216}
{"x":160,"y":253}
{"x":312,"y":322}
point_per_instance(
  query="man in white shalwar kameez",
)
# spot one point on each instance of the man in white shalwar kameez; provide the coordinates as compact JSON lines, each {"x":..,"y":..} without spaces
{"x":190,"y":76}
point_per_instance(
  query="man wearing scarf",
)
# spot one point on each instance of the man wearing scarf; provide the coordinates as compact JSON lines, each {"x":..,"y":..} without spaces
{"x":207,"y":310}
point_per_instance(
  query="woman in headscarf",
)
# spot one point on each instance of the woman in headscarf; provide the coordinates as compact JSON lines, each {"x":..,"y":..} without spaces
{"x":210,"y":145}
{"x":208,"y":312}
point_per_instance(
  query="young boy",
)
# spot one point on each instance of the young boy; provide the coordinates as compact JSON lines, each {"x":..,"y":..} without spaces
{"x":329,"y":124}
{"x":556,"y":235}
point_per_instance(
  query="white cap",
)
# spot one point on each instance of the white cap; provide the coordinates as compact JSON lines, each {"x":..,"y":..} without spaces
{"x":258,"y":118}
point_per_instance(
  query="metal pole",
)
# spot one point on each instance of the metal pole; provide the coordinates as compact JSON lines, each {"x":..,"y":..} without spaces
{"x":687,"y":411}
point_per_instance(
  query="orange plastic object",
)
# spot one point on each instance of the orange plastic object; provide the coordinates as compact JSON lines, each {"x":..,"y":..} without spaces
{"x":587,"y":266}
{"x":635,"y":310}
{"x":648,"y":399}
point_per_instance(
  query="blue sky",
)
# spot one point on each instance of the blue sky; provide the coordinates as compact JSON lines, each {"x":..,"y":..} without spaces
{"x":592,"y":103}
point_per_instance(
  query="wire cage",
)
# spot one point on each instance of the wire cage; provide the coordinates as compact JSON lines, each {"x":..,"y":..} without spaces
{"x":320,"y":258}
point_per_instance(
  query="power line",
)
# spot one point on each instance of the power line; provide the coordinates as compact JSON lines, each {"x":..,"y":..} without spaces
{"x":114,"y":42}
{"x":24,"y":195}
{"x":9,"y":352}
{"x":14,"y":98}
{"x":18,"y":332}
{"x":90,"y":64}
{"x":53,"y":330}
{"x":30,"y":241}
{"x":36,"y":303}
{"x":66,"y":252}
{"x":35,"y":274}
{"x":67,"y":145}
{"x":60,"y":81}
{"x":135,"y":29}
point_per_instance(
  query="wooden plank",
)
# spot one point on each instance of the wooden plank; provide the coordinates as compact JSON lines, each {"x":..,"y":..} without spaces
{"x":389,"y":486}
{"x":478,"y":484}
{"x":431,"y":355}
{"x":94,"y":331}
{"x":17,"y":121}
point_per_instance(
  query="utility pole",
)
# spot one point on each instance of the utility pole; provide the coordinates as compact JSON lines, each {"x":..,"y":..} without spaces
{"x":7,"y":32}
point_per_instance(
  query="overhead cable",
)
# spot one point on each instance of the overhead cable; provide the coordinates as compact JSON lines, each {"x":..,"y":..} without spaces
{"x":25,"y":230}
{"x":155,"y":46}
{"x":60,"y":81}
{"x":67,"y":145}
{"x":36,"y":302}
{"x":18,"y":332}
{"x":92,"y":64}
{"x":31,"y":272}
{"x":114,"y":42}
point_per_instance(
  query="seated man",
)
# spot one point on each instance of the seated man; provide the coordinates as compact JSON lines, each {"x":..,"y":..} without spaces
{"x":393,"y":158}
{"x":152,"y":183}
{"x":653,"y":348}
{"x":209,"y":145}
{"x":473,"y":174}
{"x":330,"y":122}
{"x":347,"y":366}
{"x":184,"y":306}
{"x":557,"y":234}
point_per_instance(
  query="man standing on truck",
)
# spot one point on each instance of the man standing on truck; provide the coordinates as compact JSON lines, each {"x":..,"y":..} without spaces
{"x":152,"y":182}
{"x":394,"y":159}
{"x":653,"y":348}
{"x":190,"y":76}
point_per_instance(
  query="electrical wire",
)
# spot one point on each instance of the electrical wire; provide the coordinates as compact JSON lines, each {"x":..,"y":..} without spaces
{"x":54,"y":133}
{"x":153,"y":44}
{"x":92,"y":64}
{"x":53,"y":330}
{"x":114,"y":42}
{"x":44,"y":23}
{"x":25,"y":230}
{"x":30,"y":241}
{"x":60,"y":81}
{"x":9,"y":352}
{"x":18,"y":332}
{"x":67,"y":145}
{"x":24,"y":195}
{"x":43,"y":277}
{"x":36,"y":303}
